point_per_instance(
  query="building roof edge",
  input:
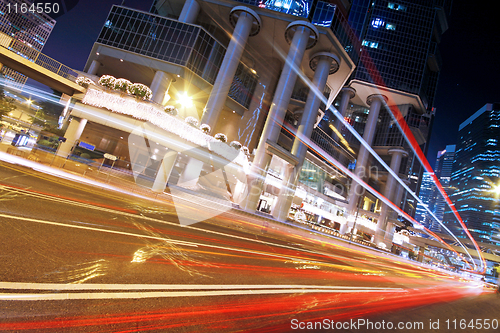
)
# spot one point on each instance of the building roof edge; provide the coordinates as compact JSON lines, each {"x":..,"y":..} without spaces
{"x":486,"y":107}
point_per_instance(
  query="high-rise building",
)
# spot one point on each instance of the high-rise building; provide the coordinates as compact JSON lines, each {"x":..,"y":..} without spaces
{"x":443,"y":169}
{"x":251,"y":70}
{"x":262,"y":73}
{"x":475,"y":179}
{"x":24,"y":31}
{"x":397,"y":71}
{"x":428,"y":196}
{"x":429,"y":193}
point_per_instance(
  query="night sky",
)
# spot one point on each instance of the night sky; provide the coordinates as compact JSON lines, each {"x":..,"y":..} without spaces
{"x":470,"y":51}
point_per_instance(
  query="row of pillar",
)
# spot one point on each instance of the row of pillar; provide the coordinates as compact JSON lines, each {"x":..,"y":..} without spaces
{"x":301,"y":36}
{"x":383,"y":232}
{"x":304,"y":35}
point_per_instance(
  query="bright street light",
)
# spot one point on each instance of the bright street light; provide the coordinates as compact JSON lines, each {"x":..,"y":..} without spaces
{"x":185,"y":100}
{"x":496,"y":190}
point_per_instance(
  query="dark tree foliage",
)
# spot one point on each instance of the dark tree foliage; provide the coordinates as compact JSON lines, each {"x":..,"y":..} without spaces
{"x":6,"y":103}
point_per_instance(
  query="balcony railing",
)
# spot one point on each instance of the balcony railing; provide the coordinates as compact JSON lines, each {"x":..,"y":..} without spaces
{"x":324,"y":141}
{"x":175,"y":42}
{"x":40,"y":59}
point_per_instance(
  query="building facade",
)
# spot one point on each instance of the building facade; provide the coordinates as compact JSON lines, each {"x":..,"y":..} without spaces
{"x":475,"y":178}
{"x":244,"y":84}
{"x":23,"y":31}
{"x":263,"y":73}
{"x":396,"y":76}
{"x":429,"y":193}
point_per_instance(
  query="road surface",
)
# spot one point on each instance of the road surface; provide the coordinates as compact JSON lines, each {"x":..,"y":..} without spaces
{"x":80,"y":258}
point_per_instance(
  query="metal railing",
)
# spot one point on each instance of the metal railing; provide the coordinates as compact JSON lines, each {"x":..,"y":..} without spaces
{"x":329,"y":145}
{"x":41,"y":59}
{"x":324,"y":141}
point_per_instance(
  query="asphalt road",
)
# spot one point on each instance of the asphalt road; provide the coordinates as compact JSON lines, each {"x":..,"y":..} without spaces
{"x":79,"y":258}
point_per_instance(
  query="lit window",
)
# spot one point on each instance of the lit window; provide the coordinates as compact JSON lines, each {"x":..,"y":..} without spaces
{"x":390,"y":26}
{"x":396,"y":6}
{"x":377,"y":23}
{"x":368,"y":43}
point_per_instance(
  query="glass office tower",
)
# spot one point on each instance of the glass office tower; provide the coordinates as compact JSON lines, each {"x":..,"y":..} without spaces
{"x":430,"y":195}
{"x":476,"y":175}
{"x":400,"y":59}
{"x":400,"y":42}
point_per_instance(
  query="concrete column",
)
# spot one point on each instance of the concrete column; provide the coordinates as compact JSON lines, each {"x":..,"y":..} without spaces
{"x":346,"y":94}
{"x":189,"y":177}
{"x":303,"y":35}
{"x":66,"y":100}
{"x":391,"y":228}
{"x":189,"y":11}
{"x":375,"y":102}
{"x":164,"y":171}
{"x":397,"y":157}
{"x":248,"y":24}
{"x":94,"y":67}
{"x":400,"y":192}
{"x":73,"y":134}
{"x":323,"y":64}
{"x":160,"y":85}
{"x":287,"y":191}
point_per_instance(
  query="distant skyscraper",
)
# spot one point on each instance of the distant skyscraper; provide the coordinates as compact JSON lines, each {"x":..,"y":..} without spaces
{"x":443,"y":169}
{"x":22,"y":31}
{"x":476,"y":174}
{"x":429,"y":193}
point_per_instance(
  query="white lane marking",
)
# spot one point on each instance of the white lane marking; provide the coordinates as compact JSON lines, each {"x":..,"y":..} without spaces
{"x":164,"y":294}
{"x":192,"y":244}
{"x":62,"y":200}
{"x":48,"y":197}
{"x":99,"y":286}
{"x":96,"y":229}
{"x":185,"y":243}
{"x":118,"y":212}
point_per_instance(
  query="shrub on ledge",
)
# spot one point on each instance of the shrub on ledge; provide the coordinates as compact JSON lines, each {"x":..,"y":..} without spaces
{"x":205,"y":128}
{"x":171,"y":110}
{"x":84,"y":81}
{"x":191,"y":121}
{"x":236,"y":145}
{"x":107,"y":81}
{"x":221,"y":137}
{"x":140,"y":90}
{"x":122,"y":85}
